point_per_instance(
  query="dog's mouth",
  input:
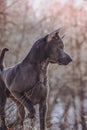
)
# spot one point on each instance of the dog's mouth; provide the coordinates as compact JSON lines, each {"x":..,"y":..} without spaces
{"x":64,"y":61}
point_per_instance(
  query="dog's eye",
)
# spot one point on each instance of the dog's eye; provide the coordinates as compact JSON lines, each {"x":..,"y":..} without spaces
{"x":61,"y":47}
{"x":55,"y":38}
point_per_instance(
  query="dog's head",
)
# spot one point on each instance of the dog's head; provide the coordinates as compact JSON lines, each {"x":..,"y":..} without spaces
{"x":55,"y":49}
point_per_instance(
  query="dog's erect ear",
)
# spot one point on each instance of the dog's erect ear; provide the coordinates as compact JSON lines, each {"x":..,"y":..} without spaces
{"x":53,"y":34}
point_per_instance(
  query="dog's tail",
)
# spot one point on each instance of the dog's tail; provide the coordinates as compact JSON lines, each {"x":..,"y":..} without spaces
{"x":2,"y":58}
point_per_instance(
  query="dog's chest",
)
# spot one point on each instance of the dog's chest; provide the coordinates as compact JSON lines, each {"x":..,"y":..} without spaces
{"x":40,"y":89}
{"x":37,"y":93}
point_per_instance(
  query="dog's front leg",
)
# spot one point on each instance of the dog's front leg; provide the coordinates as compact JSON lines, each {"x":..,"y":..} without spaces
{"x":25,"y":102}
{"x":21,"y":114}
{"x":42,"y":114}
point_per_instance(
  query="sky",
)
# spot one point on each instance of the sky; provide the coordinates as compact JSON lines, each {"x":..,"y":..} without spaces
{"x":37,"y":3}
{"x":40,"y":5}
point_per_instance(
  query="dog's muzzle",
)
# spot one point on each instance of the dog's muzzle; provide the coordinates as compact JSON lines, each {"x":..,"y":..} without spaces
{"x":64,"y":59}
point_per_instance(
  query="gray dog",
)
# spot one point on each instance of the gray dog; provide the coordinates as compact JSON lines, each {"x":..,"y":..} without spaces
{"x":27,"y":81}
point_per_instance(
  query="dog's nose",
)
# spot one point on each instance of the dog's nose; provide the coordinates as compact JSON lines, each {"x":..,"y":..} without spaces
{"x":70,"y":59}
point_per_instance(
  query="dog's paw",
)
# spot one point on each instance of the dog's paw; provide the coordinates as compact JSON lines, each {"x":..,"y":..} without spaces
{"x":9,"y":129}
{"x":31,"y":116}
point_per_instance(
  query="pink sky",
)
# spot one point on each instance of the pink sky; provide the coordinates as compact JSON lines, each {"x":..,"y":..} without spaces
{"x":38,"y":3}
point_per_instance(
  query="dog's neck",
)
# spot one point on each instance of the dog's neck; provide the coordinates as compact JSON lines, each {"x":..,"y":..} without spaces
{"x":37,"y":53}
{"x":43,"y":65}
{"x":43,"y":72}
{"x":37,"y":57}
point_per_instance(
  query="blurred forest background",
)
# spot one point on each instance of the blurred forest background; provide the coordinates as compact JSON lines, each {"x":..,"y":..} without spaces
{"x":22,"y":22}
